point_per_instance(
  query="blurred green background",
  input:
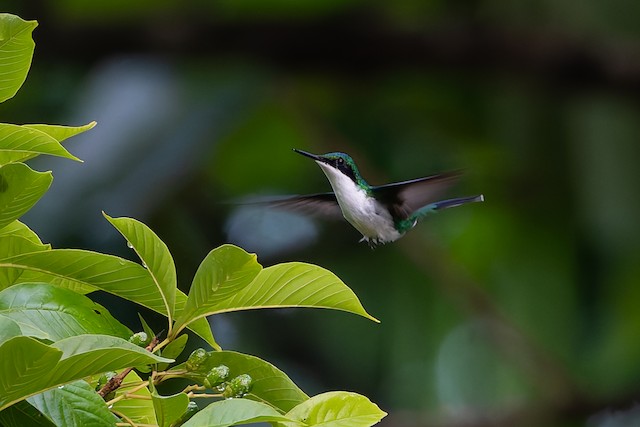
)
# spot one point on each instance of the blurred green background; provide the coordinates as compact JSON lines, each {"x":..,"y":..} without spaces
{"x":519,"y":311}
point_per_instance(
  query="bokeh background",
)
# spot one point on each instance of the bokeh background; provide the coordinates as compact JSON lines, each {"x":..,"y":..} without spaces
{"x":520,"y":311}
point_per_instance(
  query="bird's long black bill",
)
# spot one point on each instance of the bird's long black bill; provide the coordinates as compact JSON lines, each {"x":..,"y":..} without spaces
{"x":306,"y":154}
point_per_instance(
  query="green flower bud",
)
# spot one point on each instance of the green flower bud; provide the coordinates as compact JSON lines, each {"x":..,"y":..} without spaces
{"x":237,"y":387}
{"x":216,"y":376}
{"x":140,"y":339}
{"x":197,"y":359}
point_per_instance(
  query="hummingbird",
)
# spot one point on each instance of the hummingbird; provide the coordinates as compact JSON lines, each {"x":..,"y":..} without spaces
{"x":382,"y":213}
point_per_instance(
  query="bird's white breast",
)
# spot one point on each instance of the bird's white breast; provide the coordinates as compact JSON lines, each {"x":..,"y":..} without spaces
{"x":363,"y":212}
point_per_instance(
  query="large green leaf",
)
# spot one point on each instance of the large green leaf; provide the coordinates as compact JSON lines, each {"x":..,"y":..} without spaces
{"x":291,"y":284}
{"x":29,"y":367}
{"x":138,"y":407}
{"x":20,"y":143}
{"x":22,"y":414}
{"x":16,"y":51}
{"x":296,"y":284}
{"x":154,"y":255}
{"x":337,"y":409}
{"x":269,"y":385}
{"x":75,"y":268}
{"x":57,"y":132}
{"x":85,"y":352}
{"x":74,"y":404}
{"x":223,"y":272}
{"x":60,"y":133}
{"x":50,"y":312}
{"x":20,"y":189}
{"x":25,"y":365}
{"x":169,"y":409}
{"x":85,"y":271}
{"x":232,"y":412}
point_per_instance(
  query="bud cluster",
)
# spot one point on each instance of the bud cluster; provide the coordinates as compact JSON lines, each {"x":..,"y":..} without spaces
{"x":217,"y":377}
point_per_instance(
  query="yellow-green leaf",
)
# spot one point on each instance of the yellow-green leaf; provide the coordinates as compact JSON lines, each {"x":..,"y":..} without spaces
{"x":16,"y":51}
{"x":20,"y":188}
{"x":337,"y":409}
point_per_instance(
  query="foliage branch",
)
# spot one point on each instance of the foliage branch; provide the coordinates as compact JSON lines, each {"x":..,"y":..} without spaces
{"x":65,"y":360}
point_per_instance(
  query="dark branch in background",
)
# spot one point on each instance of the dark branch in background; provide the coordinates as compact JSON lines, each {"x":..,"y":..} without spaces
{"x":358,"y":44}
{"x":574,"y":412}
{"x":562,"y":399}
{"x":543,"y":370}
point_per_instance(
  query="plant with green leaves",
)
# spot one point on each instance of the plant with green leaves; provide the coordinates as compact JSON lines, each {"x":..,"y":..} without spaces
{"x":65,"y":360}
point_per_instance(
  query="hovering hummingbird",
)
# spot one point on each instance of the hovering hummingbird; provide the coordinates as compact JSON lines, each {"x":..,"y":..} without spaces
{"x":382,"y":213}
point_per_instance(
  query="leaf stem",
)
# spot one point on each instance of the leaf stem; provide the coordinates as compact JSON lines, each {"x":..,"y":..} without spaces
{"x":129,"y":394}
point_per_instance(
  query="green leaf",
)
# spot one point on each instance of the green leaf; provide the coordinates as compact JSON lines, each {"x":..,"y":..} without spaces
{"x":297,"y":284}
{"x":138,"y":407}
{"x":8,"y":329}
{"x":169,"y":409}
{"x":16,"y":51}
{"x":145,"y":326}
{"x":78,"y":268}
{"x":155,"y":255}
{"x":60,"y":133}
{"x":18,"y":229}
{"x":173,"y":350}
{"x":74,"y":404}
{"x":20,"y":189}
{"x":20,"y":143}
{"x":231,"y":412}
{"x":29,"y":367}
{"x":230,"y":279}
{"x":291,"y":284}
{"x":223,"y":272}
{"x":57,"y":132}
{"x":337,"y":409}
{"x":23,"y":414}
{"x":199,"y":326}
{"x":16,"y":238}
{"x":15,"y":243}
{"x":86,"y":271}
{"x":84,"y":353}
{"x":25,"y":364}
{"x":53,"y":313}
{"x":269,"y":385}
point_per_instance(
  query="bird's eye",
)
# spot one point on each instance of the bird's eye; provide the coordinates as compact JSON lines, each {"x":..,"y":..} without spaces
{"x":340,"y":160}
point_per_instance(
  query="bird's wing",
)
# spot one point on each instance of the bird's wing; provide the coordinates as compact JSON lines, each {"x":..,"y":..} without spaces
{"x":321,"y":204}
{"x":403,"y":198}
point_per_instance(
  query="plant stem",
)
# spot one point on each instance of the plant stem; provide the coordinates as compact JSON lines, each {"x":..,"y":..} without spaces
{"x":115,"y":382}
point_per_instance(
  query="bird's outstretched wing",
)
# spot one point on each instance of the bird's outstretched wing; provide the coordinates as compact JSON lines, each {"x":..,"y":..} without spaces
{"x":403,"y":198}
{"x":322,"y":204}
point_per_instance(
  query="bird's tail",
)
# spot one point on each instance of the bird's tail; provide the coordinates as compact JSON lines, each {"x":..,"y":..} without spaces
{"x":452,"y":203}
{"x":410,"y":222}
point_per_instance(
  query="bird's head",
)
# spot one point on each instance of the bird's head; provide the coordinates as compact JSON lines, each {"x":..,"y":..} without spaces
{"x":339,"y":162}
